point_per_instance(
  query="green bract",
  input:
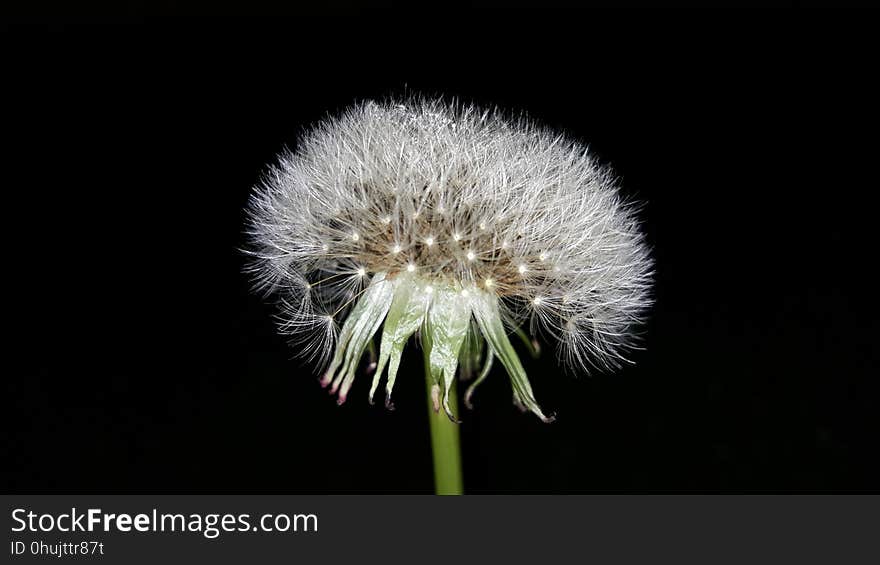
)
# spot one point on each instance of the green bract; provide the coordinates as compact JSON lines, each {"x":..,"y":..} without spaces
{"x":444,"y":315}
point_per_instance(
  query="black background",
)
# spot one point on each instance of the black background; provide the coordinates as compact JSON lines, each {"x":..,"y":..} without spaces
{"x":142,"y":363}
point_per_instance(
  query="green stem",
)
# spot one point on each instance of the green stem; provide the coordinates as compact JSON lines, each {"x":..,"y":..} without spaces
{"x":445,"y":444}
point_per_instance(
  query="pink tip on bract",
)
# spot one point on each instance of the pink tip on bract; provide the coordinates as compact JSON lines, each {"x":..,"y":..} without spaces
{"x":325,"y":380}
{"x":388,"y":404}
{"x":435,"y":397}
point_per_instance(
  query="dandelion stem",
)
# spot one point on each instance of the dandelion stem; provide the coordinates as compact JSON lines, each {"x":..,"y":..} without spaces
{"x":445,"y":443}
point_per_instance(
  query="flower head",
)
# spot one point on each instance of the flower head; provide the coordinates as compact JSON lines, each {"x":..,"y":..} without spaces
{"x":453,"y":224}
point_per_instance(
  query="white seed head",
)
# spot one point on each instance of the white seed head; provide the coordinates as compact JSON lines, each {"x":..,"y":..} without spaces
{"x":391,"y":176}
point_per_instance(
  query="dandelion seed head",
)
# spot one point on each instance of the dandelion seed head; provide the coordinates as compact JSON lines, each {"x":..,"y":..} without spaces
{"x":383,"y":177}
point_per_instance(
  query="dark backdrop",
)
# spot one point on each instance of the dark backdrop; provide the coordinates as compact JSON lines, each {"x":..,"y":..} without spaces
{"x":140,"y":361}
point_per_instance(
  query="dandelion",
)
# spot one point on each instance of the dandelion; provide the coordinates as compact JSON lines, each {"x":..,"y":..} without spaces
{"x":455,"y":225}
